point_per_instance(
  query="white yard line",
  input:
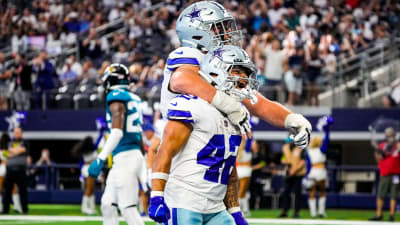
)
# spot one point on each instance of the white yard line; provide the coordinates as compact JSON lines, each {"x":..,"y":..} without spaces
{"x":147,"y":219}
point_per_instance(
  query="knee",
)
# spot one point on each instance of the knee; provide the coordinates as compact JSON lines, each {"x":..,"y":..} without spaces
{"x":107,"y":209}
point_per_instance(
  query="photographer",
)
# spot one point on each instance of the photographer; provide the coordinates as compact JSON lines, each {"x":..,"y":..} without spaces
{"x":386,"y":154}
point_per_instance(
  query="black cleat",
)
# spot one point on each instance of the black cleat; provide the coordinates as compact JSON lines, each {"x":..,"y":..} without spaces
{"x":376,"y":218}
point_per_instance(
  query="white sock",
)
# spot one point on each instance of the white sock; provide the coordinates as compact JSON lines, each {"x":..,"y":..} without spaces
{"x":246,"y":206}
{"x":321,"y":205}
{"x":110,"y":214}
{"x":17,"y":203}
{"x":131,"y":216}
{"x":312,"y":204}
{"x":242,"y":203}
{"x":92,"y":203}
{"x":85,"y":204}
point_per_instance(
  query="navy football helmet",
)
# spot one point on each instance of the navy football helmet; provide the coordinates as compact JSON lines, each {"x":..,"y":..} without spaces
{"x":115,"y":76}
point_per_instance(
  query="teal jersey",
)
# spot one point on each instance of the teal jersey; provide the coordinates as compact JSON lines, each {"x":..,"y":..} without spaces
{"x":132,"y":129}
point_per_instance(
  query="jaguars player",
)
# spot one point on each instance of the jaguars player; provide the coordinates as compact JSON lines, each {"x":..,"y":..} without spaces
{"x":195,"y":165}
{"x":201,"y":27}
{"x":124,"y":119}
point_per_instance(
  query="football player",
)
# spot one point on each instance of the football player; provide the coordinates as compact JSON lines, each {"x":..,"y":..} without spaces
{"x":201,"y":27}
{"x":124,"y":119}
{"x":195,"y":165}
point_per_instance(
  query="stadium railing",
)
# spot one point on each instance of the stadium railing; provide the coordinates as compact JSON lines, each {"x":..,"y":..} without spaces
{"x":354,"y":77}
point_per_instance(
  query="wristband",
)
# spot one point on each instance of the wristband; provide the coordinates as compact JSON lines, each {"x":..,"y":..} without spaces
{"x":156,"y":194}
{"x":234,"y":210}
{"x":159,"y":175}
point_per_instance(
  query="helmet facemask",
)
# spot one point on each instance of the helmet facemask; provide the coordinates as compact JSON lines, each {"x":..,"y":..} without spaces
{"x":243,"y":83}
{"x":224,"y":32}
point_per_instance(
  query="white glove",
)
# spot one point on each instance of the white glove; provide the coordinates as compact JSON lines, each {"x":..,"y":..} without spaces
{"x":299,"y":129}
{"x":234,"y":110}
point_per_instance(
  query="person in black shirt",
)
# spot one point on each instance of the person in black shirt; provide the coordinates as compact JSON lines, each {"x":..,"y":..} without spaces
{"x":16,"y":171}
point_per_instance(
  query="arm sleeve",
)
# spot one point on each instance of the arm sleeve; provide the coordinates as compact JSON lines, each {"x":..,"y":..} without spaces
{"x":325,"y":142}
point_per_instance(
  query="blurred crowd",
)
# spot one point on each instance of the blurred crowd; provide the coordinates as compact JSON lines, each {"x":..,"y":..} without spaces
{"x":55,"y":50}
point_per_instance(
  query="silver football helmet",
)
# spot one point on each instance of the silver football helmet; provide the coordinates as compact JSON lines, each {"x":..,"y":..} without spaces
{"x":230,"y":69}
{"x":207,"y":24}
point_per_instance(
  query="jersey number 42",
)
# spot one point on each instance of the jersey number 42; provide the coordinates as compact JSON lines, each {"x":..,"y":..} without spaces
{"x":217,"y":161}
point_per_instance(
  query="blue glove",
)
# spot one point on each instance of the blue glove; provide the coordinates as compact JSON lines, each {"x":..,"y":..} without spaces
{"x":158,"y":210}
{"x":95,"y":168}
{"x":239,"y":219}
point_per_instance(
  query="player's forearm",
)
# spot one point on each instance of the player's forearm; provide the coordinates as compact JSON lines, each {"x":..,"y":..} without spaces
{"x":175,"y":136}
{"x":161,"y":166}
{"x":231,"y":196}
{"x":187,"y":81}
{"x":270,"y":111}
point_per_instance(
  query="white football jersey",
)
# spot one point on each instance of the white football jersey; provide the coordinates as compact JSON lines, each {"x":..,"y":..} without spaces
{"x":200,"y":171}
{"x":178,"y":57}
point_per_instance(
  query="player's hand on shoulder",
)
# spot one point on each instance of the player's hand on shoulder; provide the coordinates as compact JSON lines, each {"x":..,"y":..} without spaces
{"x":96,"y":167}
{"x":158,"y":210}
{"x":299,"y":129}
{"x":234,"y":110}
{"x":241,"y":119}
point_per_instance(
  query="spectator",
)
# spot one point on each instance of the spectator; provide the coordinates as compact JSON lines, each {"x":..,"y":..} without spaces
{"x":43,"y":174}
{"x":387,"y":156}
{"x":314,"y":65}
{"x":54,"y":45}
{"x":92,"y":46}
{"x":393,"y":98}
{"x":4,"y":83}
{"x":44,"y":82}
{"x":294,"y":76}
{"x":121,"y":56}
{"x":294,"y":158}
{"x":276,"y":59}
{"x":75,"y":65}
{"x":16,"y":171}
{"x":23,"y":83}
{"x":69,"y":75}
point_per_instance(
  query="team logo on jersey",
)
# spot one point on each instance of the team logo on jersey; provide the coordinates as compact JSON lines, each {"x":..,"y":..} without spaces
{"x":195,"y":14}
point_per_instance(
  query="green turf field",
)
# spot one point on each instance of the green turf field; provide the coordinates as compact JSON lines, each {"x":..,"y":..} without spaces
{"x":71,"y":215}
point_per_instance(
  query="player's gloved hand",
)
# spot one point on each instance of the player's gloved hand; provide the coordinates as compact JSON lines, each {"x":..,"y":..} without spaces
{"x":158,"y":210}
{"x":299,"y":129}
{"x":324,"y":123}
{"x":95,"y":167}
{"x":238,"y":216}
{"x":234,"y":110}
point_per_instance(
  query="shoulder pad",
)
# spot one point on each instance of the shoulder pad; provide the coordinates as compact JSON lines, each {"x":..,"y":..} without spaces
{"x":182,"y":56}
{"x":183,"y":108}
